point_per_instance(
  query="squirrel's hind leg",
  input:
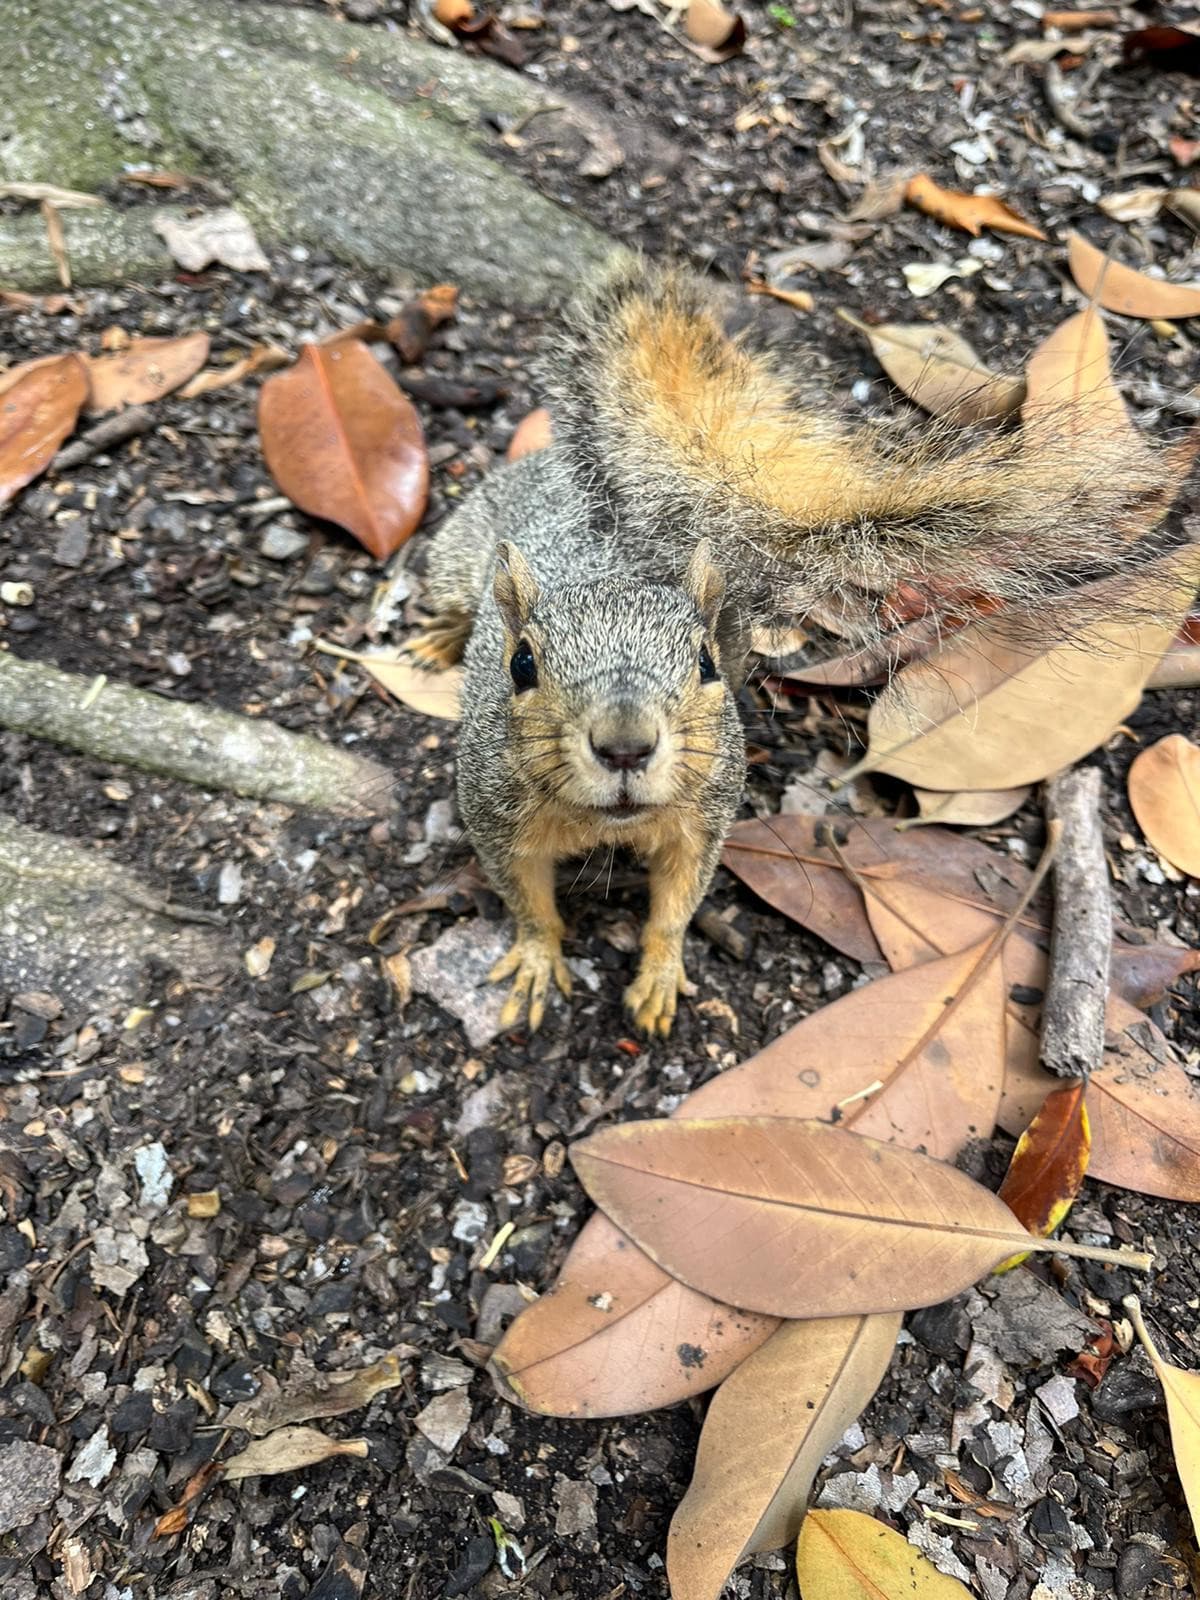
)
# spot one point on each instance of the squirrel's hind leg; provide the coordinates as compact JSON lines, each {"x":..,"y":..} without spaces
{"x":536,"y":957}
{"x":441,"y":642}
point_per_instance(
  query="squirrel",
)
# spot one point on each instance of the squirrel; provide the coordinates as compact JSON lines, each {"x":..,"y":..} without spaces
{"x":604,"y":589}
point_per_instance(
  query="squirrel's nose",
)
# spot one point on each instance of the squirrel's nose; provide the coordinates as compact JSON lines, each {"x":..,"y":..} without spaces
{"x":624,"y":755}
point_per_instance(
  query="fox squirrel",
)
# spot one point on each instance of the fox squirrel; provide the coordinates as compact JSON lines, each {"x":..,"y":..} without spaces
{"x":603,"y":590}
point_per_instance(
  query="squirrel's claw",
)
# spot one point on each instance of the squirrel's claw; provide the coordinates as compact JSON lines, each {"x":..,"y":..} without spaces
{"x":653,"y":994}
{"x":535,"y":962}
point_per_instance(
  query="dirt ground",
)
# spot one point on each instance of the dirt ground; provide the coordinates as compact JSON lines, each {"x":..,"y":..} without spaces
{"x":361,"y":1149}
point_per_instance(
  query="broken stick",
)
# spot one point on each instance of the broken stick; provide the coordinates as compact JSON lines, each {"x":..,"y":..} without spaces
{"x":199,"y":744}
{"x":1081,"y":944}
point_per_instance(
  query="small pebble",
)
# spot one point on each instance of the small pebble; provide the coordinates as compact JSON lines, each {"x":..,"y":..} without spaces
{"x":281,"y":543}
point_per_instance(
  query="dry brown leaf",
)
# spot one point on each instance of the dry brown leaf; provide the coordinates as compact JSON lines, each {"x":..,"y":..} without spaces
{"x":1182,"y":1391}
{"x":987,"y":712}
{"x":323,"y":1394}
{"x":177,"y":1518}
{"x":845,"y":1555}
{"x":799,"y":1219}
{"x":717,"y":32}
{"x":288,"y":1450}
{"x":146,"y":370}
{"x":534,"y":432}
{"x":1070,"y":385}
{"x":940,"y":371}
{"x":263,"y":358}
{"x":453,"y":13}
{"x":38,"y":409}
{"x":1185,"y":203}
{"x":617,"y":1335}
{"x":1121,"y":289}
{"x":1164,"y":791}
{"x":970,"y":213}
{"x":411,"y":329}
{"x":969,"y":808}
{"x":342,"y":442}
{"x":766,"y":1433}
{"x":433,"y":694}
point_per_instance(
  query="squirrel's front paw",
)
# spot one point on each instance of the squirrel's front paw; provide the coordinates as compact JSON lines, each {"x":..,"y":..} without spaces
{"x":652,"y":995}
{"x":535,"y":961}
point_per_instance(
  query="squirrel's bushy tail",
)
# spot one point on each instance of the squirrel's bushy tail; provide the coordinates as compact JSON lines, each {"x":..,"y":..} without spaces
{"x":682,"y":430}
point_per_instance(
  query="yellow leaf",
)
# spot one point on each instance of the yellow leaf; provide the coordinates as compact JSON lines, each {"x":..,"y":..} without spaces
{"x":844,"y":1555}
{"x":1182,"y":1390}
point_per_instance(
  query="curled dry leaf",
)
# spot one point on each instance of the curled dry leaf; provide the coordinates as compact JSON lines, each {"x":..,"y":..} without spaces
{"x":223,"y":236}
{"x":323,"y":1394}
{"x":534,"y":432}
{"x":1133,"y":205}
{"x":766,"y":1433}
{"x":263,"y":358}
{"x":844,"y":1555}
{"x":289,"y":1449}
{"x":987,"y":712}
{"x":1182,"y":1391}
{"x":1048,"y":1166}
{"x":617,"y":1334}
{"x":717,"y":33}
{"x":147,"y":369}
{"x":1121,"y":289}
{"x":38,"y":409}
{"x":342,"y":442}
{"x":799,"y":1219}
{"x":1164,"y":791}
{"x":411,"y":329}
{"x":970,"y":213}
{"x":453,"y":13}
{"x":970,"y":808}
{"x":65,"y":199}
{"x":940,"y":371}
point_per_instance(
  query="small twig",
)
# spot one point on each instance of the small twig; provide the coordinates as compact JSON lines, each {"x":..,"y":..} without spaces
{"x":113,"y":430}
{"x":1081,"y":943}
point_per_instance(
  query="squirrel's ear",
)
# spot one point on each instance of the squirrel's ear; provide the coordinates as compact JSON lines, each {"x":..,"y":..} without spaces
{"x":705,"y":583}
{"x":514,"y":586}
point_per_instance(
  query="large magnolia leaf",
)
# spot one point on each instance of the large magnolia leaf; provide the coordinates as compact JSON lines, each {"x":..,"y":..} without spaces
{"x":767,"y":1430}
{"x":343,"y":442}
{"x":800,"y":1219}
{"x":903,"y":1058}
{"x":989,"y":712}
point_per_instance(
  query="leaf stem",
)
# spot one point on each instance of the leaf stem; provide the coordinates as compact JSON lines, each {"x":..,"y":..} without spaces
{"x":1138,"y":1260}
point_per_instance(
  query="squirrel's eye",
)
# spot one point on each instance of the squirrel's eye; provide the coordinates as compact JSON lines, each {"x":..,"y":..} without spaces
{"x":523,"y":667}
{"x":708,"y":667}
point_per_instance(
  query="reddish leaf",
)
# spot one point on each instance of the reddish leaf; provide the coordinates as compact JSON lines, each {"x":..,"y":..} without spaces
{"x":342,"y":442}
{"x":147,"y":369}
{"x":970,"y":213}
{"x":1048,"y":1165}
{"x":1091,"y":1364}
{"x":36,"y":415}
{"x":1169,"y":49}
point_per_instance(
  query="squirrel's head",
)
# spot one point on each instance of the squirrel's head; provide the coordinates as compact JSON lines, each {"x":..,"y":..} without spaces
{"x":618,"y":698}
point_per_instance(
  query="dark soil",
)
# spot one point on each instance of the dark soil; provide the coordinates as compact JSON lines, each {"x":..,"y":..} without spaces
{"x":363,"y":1154}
